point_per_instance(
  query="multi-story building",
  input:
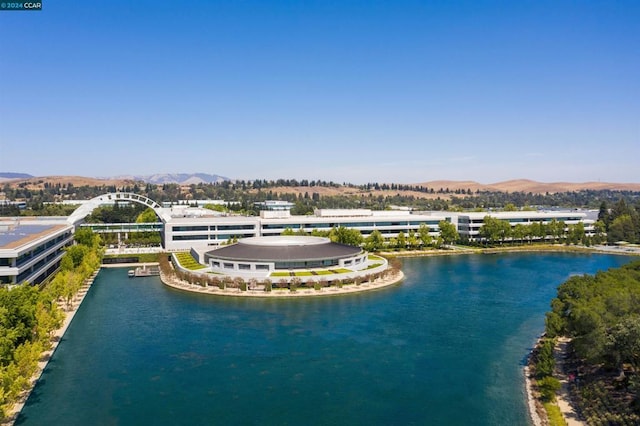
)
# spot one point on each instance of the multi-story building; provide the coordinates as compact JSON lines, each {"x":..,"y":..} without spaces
{"x":187,"y":228}
{"x":31,"y":248}
{"x":469,"y":224}
{"x":184,"y":227}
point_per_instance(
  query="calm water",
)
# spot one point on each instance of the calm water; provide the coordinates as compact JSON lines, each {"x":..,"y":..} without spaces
{"x":445,"y":347}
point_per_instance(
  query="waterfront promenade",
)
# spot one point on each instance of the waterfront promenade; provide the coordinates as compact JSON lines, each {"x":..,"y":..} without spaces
{"x":379,"y":283}
{"x":70,"y":312}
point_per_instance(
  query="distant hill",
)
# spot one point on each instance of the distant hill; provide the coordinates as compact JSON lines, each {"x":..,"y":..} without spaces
{"x":180,"y":178}
{"x":38,"y":182}
{"x":519,"y":185}
{"x":525,"y":185}
{"x":10,"y":175}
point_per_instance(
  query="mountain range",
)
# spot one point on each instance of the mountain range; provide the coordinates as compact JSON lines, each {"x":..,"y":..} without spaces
{"x":181,"y":178}
{"x":11,"y":175}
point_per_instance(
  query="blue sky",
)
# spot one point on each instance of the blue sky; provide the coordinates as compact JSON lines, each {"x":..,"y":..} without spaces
{"x":355,"y":91}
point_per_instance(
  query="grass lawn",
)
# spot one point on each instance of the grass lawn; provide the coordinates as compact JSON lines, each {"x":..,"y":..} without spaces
{"x":187,"y":261}
{"x":554,"y":414}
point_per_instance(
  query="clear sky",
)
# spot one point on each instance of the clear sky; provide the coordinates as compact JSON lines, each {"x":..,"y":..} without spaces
{"x":355,"y":91}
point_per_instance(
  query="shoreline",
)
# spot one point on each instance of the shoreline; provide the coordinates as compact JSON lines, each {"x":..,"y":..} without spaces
{"x":532,"y":402}
{"x":46,"y":356}
{"x":535,"y":408}
{"x":177,"y":284}
{"x":547,"y":248}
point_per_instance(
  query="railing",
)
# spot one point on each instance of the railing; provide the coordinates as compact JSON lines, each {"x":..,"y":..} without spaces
{"x":105,"y":228}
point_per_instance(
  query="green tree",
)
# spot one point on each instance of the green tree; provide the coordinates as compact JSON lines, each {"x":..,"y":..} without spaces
{"x":623,"y":341}
{"x":401,"y":240}
{"x":76,"y":253}
{"x":493,"y":229}
{"x":599,"y":231}
{"x":347,"y":236}
{"x":603,"y":213}
{"x":621,"y":229}
{"x":555,"y":229}
{"x":548,"y":387}
{"x":424,"y":234}
{"x":288,"y":232}
{"x":576,"y":233}
{"x":520,"y":232}
{"x":86,"y":237}
{"x":448,"y":232}
{"x":147,"y":216}
{"x":538,"y":230}
{"x":374,"y":242}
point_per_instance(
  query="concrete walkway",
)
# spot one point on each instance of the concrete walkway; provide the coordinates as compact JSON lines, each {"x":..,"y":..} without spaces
{"x":173,"y":281}
{"x":563,"y":399}
{"x":69,"y":311}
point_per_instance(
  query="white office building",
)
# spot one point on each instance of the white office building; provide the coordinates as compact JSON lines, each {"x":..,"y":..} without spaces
{"x":469,"y":223}
{"x":184,"y":230}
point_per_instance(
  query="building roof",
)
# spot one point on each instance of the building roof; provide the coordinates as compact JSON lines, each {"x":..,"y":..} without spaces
{"x":19,"y":235}
{"x":524,"y":214}
{"x":287,"y":248}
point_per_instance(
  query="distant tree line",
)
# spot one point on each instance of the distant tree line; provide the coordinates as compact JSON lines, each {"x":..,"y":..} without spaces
{"x":246,"y":193}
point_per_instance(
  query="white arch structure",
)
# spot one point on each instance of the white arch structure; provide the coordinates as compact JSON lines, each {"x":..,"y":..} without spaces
{"x":85,"y":209}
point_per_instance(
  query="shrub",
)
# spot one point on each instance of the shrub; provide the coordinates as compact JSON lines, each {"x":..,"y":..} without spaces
{"x":545,"y":361}
{"x":548,"y":386}
{"x":293,"y":286}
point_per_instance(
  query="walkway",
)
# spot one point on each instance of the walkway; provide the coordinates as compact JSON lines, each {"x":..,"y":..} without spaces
{"x":70,"y":311}
{"x":300,"y":292}
{"x":563,"y":398}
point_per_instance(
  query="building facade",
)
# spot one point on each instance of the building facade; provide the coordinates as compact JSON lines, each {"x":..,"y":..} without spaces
{"x":260,"y":257}
{"x":469,"y":223}
{"x":183,"y":231}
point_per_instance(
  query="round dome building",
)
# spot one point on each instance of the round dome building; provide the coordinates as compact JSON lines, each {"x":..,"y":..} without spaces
{"x":262,"y":257}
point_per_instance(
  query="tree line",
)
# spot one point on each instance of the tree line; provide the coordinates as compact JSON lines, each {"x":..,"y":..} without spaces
{"x":622,"y":221}
{"x":375,"y":241}
{"x":246,"y":193}
{"x":494,"y":230}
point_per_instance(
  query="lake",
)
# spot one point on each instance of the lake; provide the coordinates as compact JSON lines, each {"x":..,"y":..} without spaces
{"x":447,"y":346}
